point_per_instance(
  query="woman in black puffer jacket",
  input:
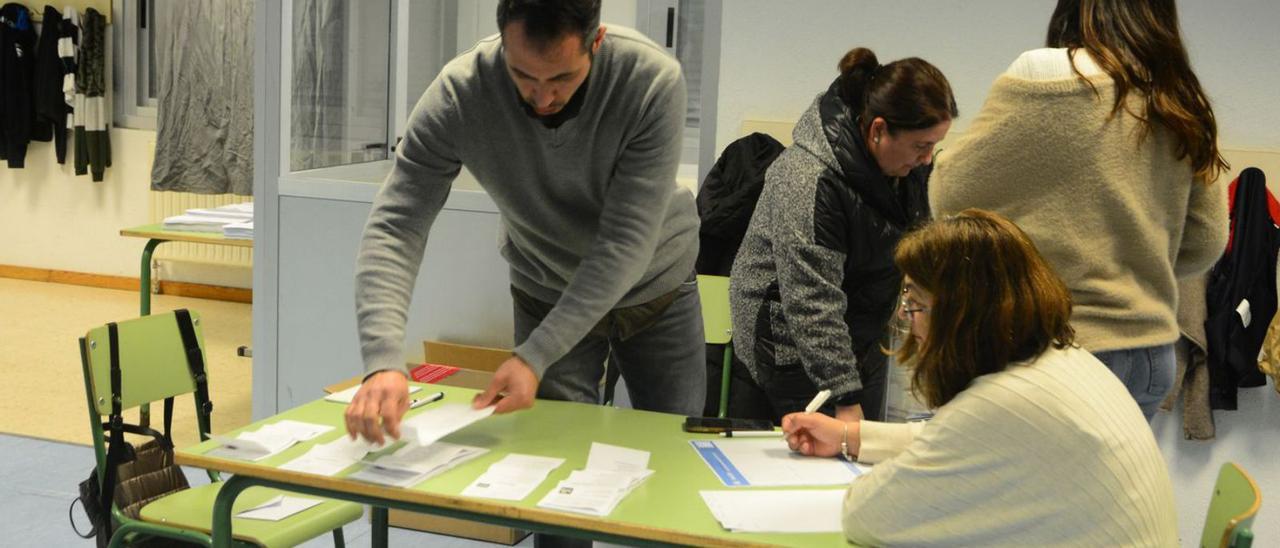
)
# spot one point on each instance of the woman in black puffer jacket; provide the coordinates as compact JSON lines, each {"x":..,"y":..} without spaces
{"x":814,"y":285}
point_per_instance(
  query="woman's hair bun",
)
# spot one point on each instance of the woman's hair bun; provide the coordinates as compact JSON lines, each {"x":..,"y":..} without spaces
{"x":858,"y":60}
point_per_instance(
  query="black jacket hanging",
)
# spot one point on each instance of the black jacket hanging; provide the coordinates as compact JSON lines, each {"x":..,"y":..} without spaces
{"x":50,"y":101}
{"x":1241,"y":294}
{"x":728,"y":198}
{"x":17,"y":72}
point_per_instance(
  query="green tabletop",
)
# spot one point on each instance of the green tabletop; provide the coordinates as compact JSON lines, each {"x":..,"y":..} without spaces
{"x":157,"y":232}
{"x":665,"y":508}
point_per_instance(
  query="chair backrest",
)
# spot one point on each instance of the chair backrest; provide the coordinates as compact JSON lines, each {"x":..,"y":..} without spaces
{"x":153,"y":361}
{"x":713,"y":291}
{"x":1235,"y":502}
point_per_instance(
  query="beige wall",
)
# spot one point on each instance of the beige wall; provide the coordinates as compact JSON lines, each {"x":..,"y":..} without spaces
{"x":51,"y":218}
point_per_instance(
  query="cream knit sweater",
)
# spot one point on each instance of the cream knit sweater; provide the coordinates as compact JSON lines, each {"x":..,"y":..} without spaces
{"x":1049,"y":453}
{"x":1119,"y":219}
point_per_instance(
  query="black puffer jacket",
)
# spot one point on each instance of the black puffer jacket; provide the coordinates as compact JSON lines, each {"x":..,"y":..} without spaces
{"x":814,"y":283}
{"x":728,"y":197}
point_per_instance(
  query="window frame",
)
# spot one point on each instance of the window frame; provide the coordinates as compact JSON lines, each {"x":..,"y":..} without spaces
{"x":130,"y":60}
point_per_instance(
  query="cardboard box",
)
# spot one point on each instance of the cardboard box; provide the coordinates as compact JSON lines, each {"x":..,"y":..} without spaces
{"x":456,"y":527}
{"x":476,"y":358}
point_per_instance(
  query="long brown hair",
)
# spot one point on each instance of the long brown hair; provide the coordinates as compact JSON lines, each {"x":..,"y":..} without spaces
{"x":1138,"y":44}
{"x":995,"y":301}
{"x":908,"y":93}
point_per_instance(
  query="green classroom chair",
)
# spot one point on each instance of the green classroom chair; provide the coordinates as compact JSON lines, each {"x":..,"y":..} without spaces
{"x":717,"y":326}
{"x":152,"y":355}
{"x":1235,"y":503}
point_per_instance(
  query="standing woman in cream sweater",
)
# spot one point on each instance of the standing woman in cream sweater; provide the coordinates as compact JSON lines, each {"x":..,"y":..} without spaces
{"x":1103,"y":148}
{"x":1035,"y":442}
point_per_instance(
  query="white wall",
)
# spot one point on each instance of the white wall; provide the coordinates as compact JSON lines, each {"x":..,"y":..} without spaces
{"x":57,"y":220}
{"x":52,"y":218}
{"x":776,"y":56}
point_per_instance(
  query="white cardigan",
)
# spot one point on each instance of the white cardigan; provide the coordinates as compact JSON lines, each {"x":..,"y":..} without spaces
{"x":1049,"y":452}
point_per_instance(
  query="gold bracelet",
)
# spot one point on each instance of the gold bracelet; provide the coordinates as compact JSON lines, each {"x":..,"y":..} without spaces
{"x":844,"y":443}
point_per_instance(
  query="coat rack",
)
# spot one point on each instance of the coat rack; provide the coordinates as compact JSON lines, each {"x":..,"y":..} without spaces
{"x":37,"y":8}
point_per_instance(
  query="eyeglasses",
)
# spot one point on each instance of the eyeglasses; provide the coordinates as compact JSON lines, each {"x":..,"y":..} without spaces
{"x":905,"y":306}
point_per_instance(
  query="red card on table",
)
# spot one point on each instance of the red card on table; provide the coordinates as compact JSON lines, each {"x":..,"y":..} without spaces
{"x":431,"y":373}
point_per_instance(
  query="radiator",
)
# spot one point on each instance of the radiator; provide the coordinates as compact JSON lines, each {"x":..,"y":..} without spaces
{"x":167,"y":204}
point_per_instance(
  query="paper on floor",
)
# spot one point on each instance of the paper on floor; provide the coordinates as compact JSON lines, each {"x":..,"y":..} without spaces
{"x":513,"y":477}
{"x":769,"y":511}
{"x":279,"y":508}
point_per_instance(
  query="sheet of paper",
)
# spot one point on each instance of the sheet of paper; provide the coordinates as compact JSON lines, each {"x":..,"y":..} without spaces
{"x":612,"y":457}
{"x":770,"y":511}
{"x":279,"y":508}
{"x":251,"y":446}
{"x":596,"y":500}
{"x":298,"y":430}
{"x":344,"y":396}
{"x":267,"y":440}
{"x":620,"y":479}
{"x":769,"y":463}
{"x":330,"y":458}
{"x":435,"y":423}
{"x":513,"y":477}
{"x":412,"y":464}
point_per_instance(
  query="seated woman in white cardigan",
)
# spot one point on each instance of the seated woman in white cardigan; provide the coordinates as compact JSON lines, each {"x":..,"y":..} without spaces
{"x":1035,"y":442}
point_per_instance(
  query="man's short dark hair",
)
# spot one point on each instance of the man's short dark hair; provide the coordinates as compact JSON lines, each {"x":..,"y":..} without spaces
{"x":548,"y":20}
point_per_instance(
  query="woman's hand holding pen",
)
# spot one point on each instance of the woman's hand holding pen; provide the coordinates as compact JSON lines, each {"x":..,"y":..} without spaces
{"x":813,"y":434}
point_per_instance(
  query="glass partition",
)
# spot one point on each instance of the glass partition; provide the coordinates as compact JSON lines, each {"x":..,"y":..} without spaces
{"x":339,"y":82}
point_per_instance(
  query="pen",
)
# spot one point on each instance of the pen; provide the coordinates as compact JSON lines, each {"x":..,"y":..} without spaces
{"x":753,"y":434}
{"x":818,"y":399}
{"x":425,"y":400}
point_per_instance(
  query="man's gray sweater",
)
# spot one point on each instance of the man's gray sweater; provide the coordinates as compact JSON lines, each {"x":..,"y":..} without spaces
{"x":591,"y":216}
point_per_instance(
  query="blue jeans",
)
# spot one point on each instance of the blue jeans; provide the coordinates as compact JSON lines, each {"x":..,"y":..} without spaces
{"x":664,"y":363}
{"x":1147,"y":372}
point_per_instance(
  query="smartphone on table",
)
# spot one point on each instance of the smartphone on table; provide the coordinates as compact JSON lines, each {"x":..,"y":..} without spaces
{"x":716,"y":425}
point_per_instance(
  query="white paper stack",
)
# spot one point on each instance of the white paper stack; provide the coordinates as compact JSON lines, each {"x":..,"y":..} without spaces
{"x":233,"y":211}
{"x":333,"y":457}
{"x":212,"y":219}
{"x":513,"y":477}
{"x":198,"y":223}
{"x":768,"y":511}
{"x":238,"y":231}
{"x":611,"y":474}
{"x":412,"y":464}
{"x":266,"y":441}
{"x":433,"y":424}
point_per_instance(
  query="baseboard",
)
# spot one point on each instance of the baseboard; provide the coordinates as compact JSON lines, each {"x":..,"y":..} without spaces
{"x":177,"y":289}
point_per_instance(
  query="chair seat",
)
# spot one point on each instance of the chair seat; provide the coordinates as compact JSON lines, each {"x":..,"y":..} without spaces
{"x":192,"y":509}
